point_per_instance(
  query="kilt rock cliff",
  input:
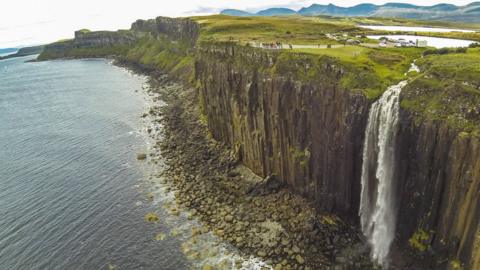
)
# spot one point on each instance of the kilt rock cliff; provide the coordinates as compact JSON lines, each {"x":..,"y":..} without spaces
{"x":401,"y":165}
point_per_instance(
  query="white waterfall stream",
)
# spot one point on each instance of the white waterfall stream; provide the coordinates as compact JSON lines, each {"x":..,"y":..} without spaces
{"x":377,"y":203}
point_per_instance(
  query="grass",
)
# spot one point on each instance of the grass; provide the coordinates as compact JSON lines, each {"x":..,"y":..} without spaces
{"x":310,"y":30}
{"x":448,"y":90}
{"x":84,"y":52}
{"x":367,"y":70}
{"x":164,"y":54}
{"x":84,"y":31}
{"x":292,"y":29}
{"x":372,"y":70}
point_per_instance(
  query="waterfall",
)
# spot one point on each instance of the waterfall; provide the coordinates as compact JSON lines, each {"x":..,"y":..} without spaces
{"x":377,"y":203}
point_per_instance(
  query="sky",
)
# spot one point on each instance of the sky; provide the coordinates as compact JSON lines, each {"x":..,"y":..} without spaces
{"x":31,"y":22}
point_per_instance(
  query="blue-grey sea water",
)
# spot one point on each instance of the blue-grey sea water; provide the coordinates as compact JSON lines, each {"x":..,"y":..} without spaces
{"x":70,"y":184}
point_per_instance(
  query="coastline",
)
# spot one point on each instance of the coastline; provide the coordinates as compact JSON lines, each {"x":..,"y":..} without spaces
{"x":202,"y":248}
{"x":258,"y":217}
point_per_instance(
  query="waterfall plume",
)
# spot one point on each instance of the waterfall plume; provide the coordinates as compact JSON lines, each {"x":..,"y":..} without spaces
{"x":377,"y":203}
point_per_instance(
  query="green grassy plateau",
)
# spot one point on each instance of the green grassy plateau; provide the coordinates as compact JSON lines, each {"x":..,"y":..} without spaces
{"x":448,"y":88}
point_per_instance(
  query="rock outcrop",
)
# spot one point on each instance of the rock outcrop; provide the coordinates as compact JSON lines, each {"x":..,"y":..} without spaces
{"x":103,"y":38}
{"x":309,"y":133}
{"x":176,"y":29}
{"x":439,"y":191}
{"x":90,"y":44}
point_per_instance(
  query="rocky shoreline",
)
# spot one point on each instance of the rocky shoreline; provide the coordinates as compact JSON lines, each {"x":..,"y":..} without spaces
{"x":258,"y":216}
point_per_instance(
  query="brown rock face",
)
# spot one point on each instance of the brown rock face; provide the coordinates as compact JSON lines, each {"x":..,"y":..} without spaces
{"x":102,"y":39}
{"x":439,"y":189}
{"x":89,"y":44}
{"x":307,"y":133}
{"x":174,"y":28}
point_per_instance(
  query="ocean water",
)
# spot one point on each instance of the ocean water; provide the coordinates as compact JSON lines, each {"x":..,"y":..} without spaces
{"x":72,"y":194}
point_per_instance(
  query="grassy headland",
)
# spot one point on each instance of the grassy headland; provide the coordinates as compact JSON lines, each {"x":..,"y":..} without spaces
{"x":296,"y":29}
{"x":371,"y":70}
{"x":448,"y":89}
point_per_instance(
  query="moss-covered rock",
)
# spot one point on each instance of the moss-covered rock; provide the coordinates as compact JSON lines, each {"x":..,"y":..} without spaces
{"x":152,"y":217}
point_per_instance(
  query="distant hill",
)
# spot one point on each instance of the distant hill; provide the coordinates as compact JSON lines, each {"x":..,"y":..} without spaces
{"x":441,"y":12}
{"x":8,"y":50}
{"x":277,"y":12}
{"x":236,"y":12}
{"x":24,"y":52}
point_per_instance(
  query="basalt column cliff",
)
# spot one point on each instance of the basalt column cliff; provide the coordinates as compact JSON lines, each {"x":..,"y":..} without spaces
{"x":302,"y":131}
{"x":294,"y":116}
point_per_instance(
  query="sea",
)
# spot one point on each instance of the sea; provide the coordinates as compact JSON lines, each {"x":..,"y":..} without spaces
{"x":72,"y":193}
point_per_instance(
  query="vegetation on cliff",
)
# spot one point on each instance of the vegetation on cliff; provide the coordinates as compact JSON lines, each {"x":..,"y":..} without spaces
{"x":448,"y":90}
{"x":299,"y":30}
{"x":85,"y":52}
{"x":371,"y":71}
{"x":157,"y":45}
{"x":163,"y":54}
{"x":87,"y":44}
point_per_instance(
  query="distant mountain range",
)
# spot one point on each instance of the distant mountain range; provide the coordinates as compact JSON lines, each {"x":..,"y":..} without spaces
{"x":441,"y":12}
{"x":8,"y":50}
{"x":22,"y":52}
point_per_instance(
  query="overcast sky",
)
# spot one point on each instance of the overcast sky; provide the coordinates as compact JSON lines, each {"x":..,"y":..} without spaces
{"x":26,"y":22}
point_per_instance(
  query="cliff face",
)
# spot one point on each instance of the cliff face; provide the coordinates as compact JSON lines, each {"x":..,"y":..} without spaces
{"x":177,"y":29}
{"x":439,"y":190}
{"x":90,"y":44}
{"x":310,"y":133}
{"x":290,"y":116}
{"x":307,"y":133}
{"x":171,"y":38}
{"x":103,"y":38}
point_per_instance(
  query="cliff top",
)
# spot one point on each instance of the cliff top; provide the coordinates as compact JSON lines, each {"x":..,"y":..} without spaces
{"x":311,"y":30}
{"x":447,"y":89}
{"x":303,"y":30}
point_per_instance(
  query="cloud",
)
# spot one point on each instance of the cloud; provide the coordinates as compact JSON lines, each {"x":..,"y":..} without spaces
{"x":204,"y":10}
{"x":26,"y":25}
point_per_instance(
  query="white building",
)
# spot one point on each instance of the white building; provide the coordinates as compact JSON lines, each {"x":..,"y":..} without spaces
{"x":422,"y":43}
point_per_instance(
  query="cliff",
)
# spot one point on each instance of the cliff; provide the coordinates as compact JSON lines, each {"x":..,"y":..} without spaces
{"x":307,"y":129}
{"x":303,"y":131}
{"x":301,"y":117}
{"x":90,"y":44}
{"x":161,"y":44}
{"x":439,"y":187}
{"x":439,"y":161}
{"x":176,"y":29}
